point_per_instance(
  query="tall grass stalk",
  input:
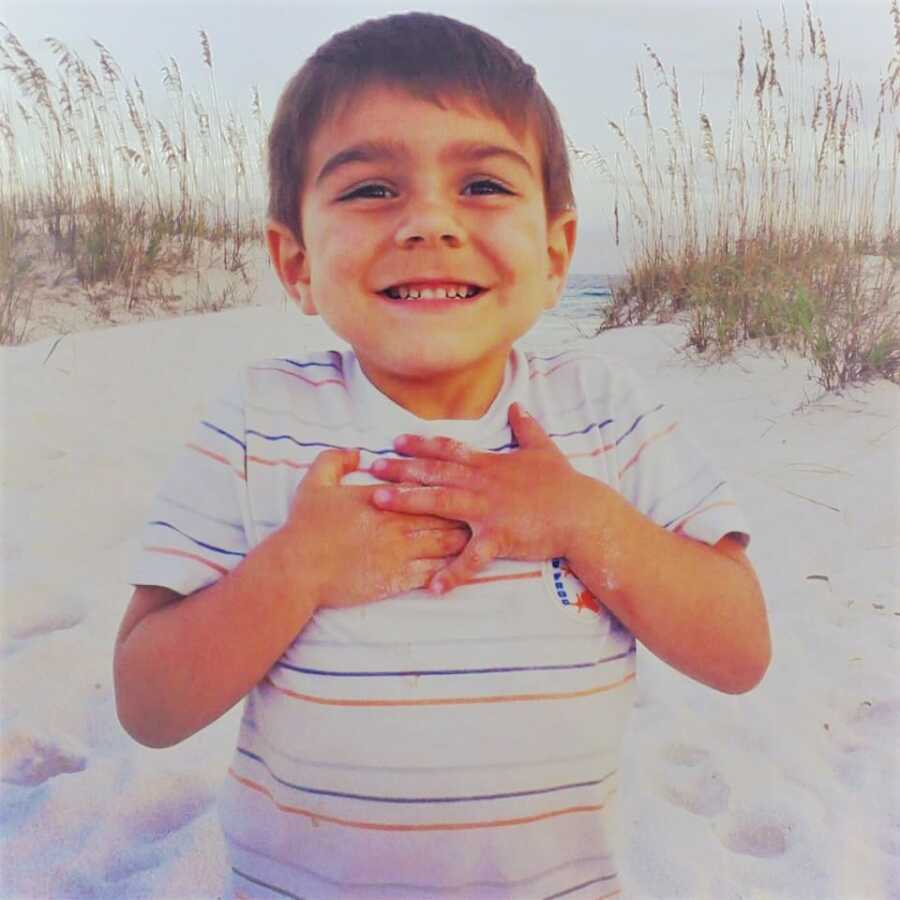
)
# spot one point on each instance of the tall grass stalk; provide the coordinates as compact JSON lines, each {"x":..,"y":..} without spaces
{"x":121,"y":189}
{"x":780,"y":226}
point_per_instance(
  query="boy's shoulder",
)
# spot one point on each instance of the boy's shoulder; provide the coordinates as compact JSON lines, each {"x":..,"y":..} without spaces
{"x":586,"y":368}
{"x":310,"y":363}
{"x":263,"y":383}
{"x":304,"y":371}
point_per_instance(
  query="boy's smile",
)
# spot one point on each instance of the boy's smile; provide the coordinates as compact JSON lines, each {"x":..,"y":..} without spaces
{"x":426,"y":246}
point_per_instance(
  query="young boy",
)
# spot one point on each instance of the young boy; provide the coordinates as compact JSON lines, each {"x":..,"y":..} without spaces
{"x":458,"y":745}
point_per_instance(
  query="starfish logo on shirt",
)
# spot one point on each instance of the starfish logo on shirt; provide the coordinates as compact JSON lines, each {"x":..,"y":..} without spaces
{"x":569,"y":591}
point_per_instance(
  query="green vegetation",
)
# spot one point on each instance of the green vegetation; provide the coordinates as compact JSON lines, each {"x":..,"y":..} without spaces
{"x":783,"y":229}
{"x":15,"y":304}
{"x":90,"y":177}
{"x":786,"y":229}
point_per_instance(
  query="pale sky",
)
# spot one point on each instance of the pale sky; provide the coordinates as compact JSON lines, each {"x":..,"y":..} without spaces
{"x":584,"y":53}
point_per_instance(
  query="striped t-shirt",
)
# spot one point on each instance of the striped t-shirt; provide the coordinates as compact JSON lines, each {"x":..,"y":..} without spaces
{"x":460,"y":746}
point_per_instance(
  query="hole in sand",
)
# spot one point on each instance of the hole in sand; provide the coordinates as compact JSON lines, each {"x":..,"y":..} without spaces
{"x":761,"y":835}
{"x":684,"y":755}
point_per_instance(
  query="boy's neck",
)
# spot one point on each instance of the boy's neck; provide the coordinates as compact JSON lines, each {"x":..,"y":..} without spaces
{"x":454,"y":395}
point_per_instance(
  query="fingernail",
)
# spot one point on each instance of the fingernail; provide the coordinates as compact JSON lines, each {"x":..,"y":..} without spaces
{"x":379,"y":465}
{"x":382,"y":495}
{"x":437,"y":586}
{"x":524,"y":412}
{"x":401,"y":440}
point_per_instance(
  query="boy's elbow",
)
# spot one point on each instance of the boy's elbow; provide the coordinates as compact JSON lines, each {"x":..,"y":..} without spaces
{"x":132,"y":715}
{"x":143,"y":736}
{"x":137,"y":729}
{"x":142,"y":730}
{"x":750,"y":673}
{"x":752,"y":652}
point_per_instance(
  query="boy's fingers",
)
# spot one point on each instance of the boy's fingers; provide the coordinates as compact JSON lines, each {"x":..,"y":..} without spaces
{"x":444,"y":448}
{"x":437,"y":544}
{"x":419,"y":572}
{"x":423,"y":471}
{"x":331,"y":465}
{"x":527,"y":430}
{"x":448,"y":503}
{"x":476,"y":555}
{"x":413,"y":525}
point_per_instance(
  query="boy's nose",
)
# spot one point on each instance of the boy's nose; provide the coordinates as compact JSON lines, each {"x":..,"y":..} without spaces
{"x":431,"y":224}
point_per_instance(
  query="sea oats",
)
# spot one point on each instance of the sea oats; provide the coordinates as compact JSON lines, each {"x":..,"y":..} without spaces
{"x":800,"y":190}
{"x":811,"y":28}
{"x":172,"y":76}
{"x":169,"y":154}
{"x":207,"y":52}
{"x":110,"y":68}
{"x":709,"y":147}
{"x":113,"y":181}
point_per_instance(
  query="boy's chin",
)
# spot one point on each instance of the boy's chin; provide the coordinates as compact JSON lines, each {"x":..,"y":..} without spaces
{"x":420,"y":365}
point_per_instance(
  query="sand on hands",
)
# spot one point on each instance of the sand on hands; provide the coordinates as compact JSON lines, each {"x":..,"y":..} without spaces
{"x":789,"y":791}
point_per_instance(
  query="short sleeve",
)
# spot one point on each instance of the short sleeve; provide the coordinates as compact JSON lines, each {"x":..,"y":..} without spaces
{"x":196,"y":530}
{"x":665,"y":473}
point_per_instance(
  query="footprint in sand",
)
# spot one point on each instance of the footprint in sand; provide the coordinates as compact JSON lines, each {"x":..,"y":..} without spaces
{"x":37,"y":607}
{"x":761,"y":833}
{"x":873,"y":718}
{"x":159,"y":804}
{"x":28,"y":760}
{"x":689,"y":779}
{"x":127,"y":862}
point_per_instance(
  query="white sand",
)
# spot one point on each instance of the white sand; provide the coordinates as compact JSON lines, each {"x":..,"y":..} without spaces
{"x":791,"y":791}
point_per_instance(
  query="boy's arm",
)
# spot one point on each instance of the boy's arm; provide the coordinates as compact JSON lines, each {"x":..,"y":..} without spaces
{"x":698,"y":607}
{"x":182,"y":661}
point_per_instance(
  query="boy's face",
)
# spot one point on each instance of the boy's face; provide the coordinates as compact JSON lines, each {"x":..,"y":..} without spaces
{"x":402,"y":196}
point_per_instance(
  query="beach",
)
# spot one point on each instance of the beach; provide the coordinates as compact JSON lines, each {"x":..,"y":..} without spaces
{"x":792,"y":790}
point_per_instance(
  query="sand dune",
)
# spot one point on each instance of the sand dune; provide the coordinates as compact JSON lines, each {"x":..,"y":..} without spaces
{"x":791,"y":791}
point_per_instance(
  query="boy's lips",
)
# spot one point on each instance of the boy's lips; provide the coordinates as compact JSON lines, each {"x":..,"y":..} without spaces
{"x":432,"y":290}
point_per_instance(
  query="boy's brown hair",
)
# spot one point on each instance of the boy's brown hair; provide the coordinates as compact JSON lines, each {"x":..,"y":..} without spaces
{"x":432,"y":57}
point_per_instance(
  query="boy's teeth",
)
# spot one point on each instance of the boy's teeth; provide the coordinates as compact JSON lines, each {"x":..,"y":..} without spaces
{"x":448,"y":292}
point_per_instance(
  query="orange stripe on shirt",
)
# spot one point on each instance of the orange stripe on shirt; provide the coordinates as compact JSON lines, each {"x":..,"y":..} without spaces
{"x":169,"y":551}
{"x":565,"y":362}
{"x":337,"y":381}
{"x":680,"y":526}
{"x":534,"y":573}
{"x":435,"y":826}
{"x":218,"y":458}
{"x":645,"y":444}
{"x":278,"y":462}
{"x":450,"y":701}
{"x":604,"y":449}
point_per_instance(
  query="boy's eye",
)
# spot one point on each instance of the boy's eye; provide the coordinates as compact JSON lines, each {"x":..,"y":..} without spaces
{"x":372,"y":191}
{"x":486,"y":186}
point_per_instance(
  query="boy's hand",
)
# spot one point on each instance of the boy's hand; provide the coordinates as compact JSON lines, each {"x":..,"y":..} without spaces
{"x":518,"y":505}
{"x":361,"y":553}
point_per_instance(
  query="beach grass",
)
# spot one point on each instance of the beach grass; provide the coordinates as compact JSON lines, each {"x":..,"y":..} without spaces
{"x":780,"y":227}
{"x":96,"y":182}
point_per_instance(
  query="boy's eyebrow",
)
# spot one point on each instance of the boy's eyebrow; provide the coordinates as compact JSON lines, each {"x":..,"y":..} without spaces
{"x":364,"y":151}
{"x":381,"y":151}
{"x":475,"y":151}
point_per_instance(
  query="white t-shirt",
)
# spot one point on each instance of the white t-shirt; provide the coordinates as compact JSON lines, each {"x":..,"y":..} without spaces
{"x":464,"y":745}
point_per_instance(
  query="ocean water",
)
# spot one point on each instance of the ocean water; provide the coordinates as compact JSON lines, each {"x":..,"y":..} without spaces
{"x":575,"y":317}
{"x":583,"y":296}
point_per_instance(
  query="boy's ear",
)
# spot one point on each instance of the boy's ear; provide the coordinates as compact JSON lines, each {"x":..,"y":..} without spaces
{"x":561,"y":233}
{"x":291,"y":264}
